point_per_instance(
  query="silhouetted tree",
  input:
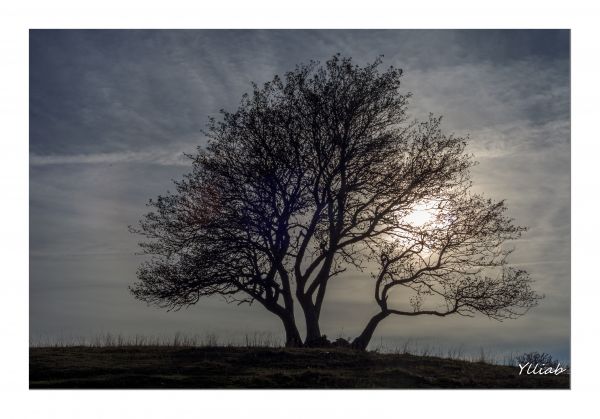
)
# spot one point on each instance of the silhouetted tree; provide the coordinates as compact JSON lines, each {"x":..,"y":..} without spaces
{"x":318,"y":172}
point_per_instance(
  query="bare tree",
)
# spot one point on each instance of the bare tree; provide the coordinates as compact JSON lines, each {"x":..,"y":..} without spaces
{"x":318,"y":172}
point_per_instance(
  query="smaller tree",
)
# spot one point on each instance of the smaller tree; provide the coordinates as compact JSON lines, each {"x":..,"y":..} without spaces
{"x":450,"y":257}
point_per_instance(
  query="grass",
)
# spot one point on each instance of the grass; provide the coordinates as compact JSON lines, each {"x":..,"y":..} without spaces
{"x":187,"y":363}
{"x":178,"y":340}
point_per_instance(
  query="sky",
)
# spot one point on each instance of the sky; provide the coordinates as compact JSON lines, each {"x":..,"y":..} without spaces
{"x":112,"y":112}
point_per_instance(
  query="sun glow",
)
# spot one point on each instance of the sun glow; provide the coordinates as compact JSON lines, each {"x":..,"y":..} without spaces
{"x":420,"y":225}
{"x":423,"y":214}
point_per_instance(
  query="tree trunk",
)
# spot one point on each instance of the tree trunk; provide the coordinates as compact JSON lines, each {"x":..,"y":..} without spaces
{"x":313,"y":331}
{"x":292,"y":335}
{"x":362,"y":341}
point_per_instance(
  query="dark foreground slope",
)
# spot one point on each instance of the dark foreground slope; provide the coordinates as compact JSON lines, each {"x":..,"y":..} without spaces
{"x":169,"y":367}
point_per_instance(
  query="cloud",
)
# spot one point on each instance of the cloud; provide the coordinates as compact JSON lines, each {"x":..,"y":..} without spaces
{"x":160,"y":158}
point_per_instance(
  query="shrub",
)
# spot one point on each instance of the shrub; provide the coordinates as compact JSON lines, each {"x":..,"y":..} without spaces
{"x":537,"y":358}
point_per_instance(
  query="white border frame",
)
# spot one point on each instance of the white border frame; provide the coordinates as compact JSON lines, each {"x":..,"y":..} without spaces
{"x":17,"y":17}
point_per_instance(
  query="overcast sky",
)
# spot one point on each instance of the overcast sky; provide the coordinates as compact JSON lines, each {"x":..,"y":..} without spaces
{"x":111,"y":113}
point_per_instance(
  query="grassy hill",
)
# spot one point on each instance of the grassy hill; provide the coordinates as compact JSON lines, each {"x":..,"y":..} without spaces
{"x":231,"y":367}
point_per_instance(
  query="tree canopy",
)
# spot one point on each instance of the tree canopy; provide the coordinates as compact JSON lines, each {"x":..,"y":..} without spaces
{"x":320,"y":171}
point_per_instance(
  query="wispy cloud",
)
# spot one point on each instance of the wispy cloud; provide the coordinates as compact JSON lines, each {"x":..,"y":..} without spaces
{"x":148,"y":157}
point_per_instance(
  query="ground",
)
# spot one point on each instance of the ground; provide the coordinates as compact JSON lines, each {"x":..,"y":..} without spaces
{"x":270,"y":368}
